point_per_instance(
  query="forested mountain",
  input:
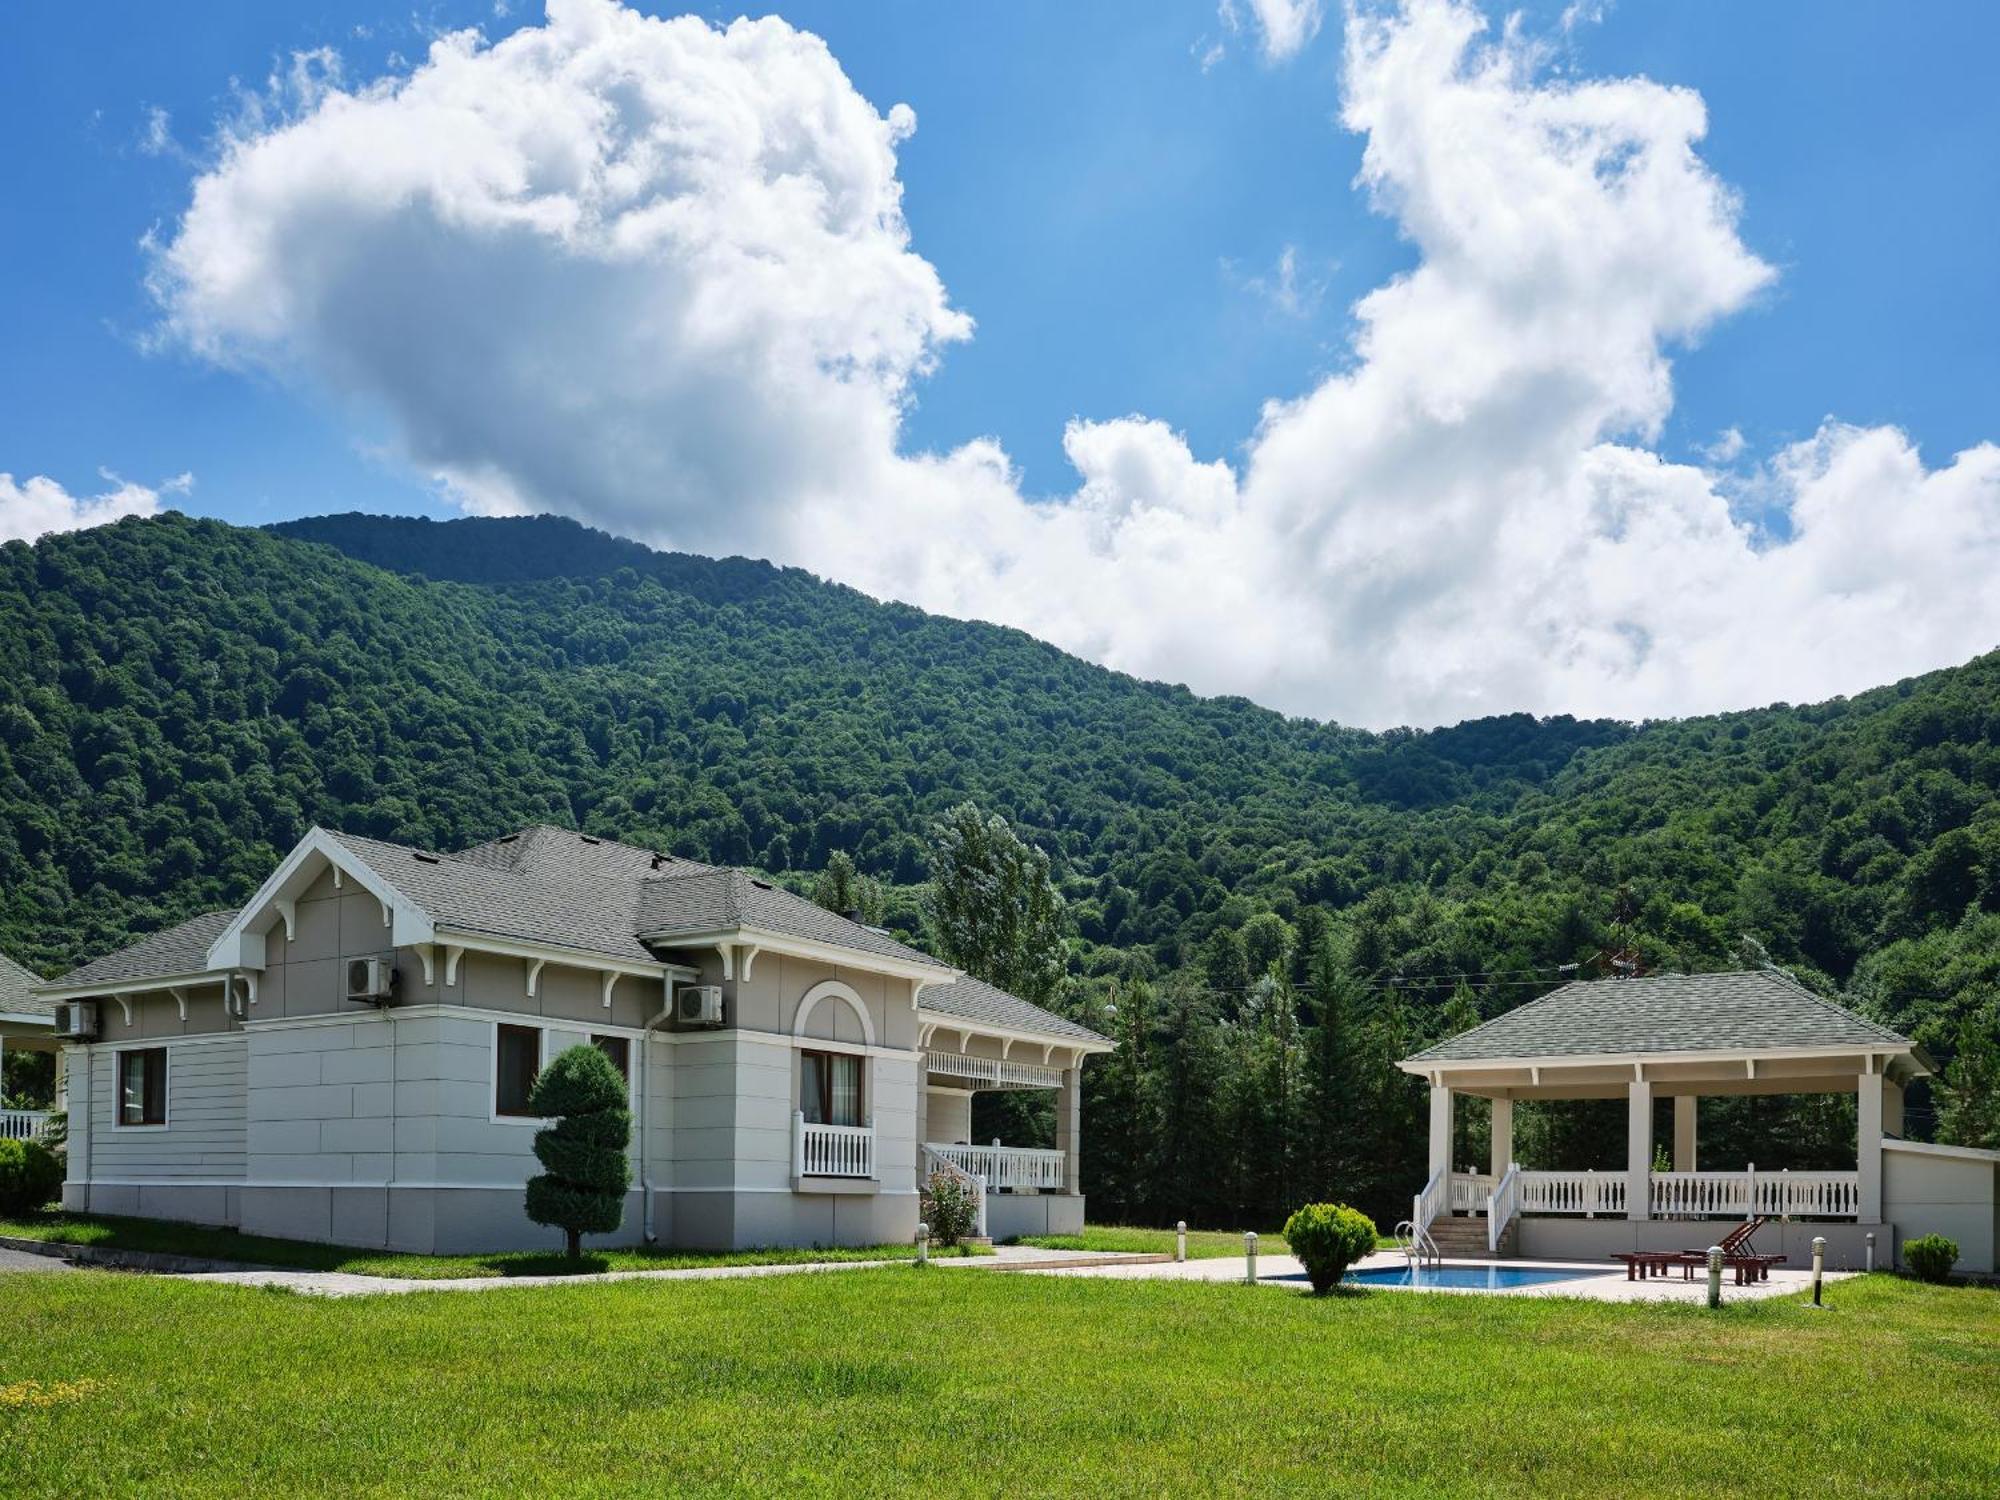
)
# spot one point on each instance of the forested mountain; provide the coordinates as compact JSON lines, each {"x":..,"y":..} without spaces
{"x":180,"y":699}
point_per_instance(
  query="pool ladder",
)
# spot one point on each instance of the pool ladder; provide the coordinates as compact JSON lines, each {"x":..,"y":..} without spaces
{"x":1419,"y":1249}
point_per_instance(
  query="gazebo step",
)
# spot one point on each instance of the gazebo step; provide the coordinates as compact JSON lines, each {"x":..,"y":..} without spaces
{"x":1466,"y":1238}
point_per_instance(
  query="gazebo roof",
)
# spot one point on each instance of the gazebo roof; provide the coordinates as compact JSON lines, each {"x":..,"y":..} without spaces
{"x":1760,"y":1010}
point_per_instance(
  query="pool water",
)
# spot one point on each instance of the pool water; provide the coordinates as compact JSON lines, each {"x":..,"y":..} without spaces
{"x":1465,"y":1278}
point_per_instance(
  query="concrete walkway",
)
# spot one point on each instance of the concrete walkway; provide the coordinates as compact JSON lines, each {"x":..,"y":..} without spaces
{"x":21,"y":1260}
{"x":347,"y":1284}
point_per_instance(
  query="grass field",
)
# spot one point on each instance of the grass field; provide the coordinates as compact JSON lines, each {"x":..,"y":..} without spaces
{"x":163,"y":1236}
{"x":956,"y":1380}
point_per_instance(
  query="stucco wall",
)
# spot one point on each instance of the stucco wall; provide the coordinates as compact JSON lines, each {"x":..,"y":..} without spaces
{"x":1934,"y":1193}
{"x":949,"y":1119}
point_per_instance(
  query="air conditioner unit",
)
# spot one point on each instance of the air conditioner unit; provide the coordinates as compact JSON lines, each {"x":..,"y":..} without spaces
{"x":76,"y":1020}
{"x":699,"y":1005}
{"x":371,"y":981}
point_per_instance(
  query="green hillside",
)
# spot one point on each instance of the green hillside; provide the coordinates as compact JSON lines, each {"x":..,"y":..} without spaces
{"x":180,"y":699}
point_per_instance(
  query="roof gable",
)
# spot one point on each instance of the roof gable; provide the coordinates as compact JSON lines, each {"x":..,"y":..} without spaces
{"x":1752,"y":1011}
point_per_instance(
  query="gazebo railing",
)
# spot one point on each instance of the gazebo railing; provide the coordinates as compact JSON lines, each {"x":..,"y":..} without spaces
{"x":1695,"y":1195}
{"x":1588,"y":1193}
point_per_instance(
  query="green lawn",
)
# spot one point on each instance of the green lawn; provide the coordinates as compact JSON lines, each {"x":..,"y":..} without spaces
{"x":165,"y":1236}
{"x":956,"y":1381}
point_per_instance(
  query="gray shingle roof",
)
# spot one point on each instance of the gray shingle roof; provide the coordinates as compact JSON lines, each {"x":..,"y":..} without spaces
{"x":14,"y":997}
{"x":175,"y":950}
{"x":705,"y":899}
{"x":550,"y":886}
{"x":976,"y":1001}
{"x":1738,"y":1012}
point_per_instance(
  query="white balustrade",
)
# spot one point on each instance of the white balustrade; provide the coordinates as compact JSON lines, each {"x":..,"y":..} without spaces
{"x":1589,"y":1193}
{"x":1502,"y":1206}
{"x":995,"y":1072}
{"x":1016,"y":1167}
{"x":1432,"y":1202}
{"x":21,"y":1124}
{"x":832,"y":1150}
{"x":1470,"y":1192}
{"x":1697,"y":1195}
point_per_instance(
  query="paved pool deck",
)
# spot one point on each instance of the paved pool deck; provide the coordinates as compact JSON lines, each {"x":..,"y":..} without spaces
{"x":1596,"y":1280}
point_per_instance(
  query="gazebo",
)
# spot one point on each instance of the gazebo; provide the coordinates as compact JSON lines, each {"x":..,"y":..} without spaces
{"x":1677,"y":1036}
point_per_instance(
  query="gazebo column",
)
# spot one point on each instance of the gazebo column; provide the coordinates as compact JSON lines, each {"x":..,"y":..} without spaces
{"x":1868,"y":1147}
{"x":1502,"y":1133}
{"x":1684,"y":1113}
{"x":1638,"y":1148}
{"x":1440,"y":1129}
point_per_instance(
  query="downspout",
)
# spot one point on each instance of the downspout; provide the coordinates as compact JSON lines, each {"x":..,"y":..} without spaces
{"x":645,"y":1094}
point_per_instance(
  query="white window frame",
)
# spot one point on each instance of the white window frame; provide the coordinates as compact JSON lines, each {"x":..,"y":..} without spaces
{"x":493,"y":1070}
{"x":862,"y":1050}
{"x":118,"y":1083}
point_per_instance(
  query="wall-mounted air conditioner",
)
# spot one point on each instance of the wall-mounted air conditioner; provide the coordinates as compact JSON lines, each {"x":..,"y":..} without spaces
{"x":699,"y":1005}
{"x":371,"y":981}
{"x":76,"y":1020}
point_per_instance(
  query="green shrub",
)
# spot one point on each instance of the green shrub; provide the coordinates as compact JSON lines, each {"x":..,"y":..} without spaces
{"x":1931,"y":1256}
{"x":1328,"y":1238}
{"x":29,"y":1176}
{"x":949,"y":1207}
{"x":583,"y":1189}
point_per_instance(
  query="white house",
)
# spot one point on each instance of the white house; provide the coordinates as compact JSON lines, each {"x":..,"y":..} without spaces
{"x":793,"y":1074}
{"x":1684,"y":1037}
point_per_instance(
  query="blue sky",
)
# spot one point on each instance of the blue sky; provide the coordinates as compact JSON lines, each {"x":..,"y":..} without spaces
{"x":1111,"y":213}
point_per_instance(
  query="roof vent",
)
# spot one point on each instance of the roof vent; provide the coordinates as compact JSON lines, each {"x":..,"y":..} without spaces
{"x":762,"y":885}
{"x":588,"y":839}
{"x":853,"y":916}
{"x":423,"y":858}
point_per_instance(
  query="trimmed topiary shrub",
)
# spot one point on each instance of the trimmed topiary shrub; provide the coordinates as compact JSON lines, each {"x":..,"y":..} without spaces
{"x":1931,"y":1256}
{"x":30,"y":1176}
{"x":583,"y":1190}
{"x":1328,"y":1238}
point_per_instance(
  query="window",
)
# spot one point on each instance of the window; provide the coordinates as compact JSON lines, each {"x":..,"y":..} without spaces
{"x":830,"y":1088}
{"x":142,"y":1086}
{"x":619,"y":1050}
{"x":517,"y":1059}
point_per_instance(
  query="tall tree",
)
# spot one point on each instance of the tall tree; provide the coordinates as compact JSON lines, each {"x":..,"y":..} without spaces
{"x":994,"y":911}
{"x":1969,"y":1101}
{"x":842,"y":888}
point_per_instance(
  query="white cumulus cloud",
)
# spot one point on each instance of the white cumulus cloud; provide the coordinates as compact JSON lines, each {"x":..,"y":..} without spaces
{"x":39,"y":505}
{"x":654,"y":274}
{"x":1283,"y":27}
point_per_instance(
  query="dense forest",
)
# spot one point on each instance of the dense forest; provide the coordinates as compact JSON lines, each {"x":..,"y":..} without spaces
{"x":1265,"y":910}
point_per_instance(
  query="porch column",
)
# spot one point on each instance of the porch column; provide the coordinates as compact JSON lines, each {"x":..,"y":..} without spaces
{"x":1503,"y":1138}
{"x":1684,"y":1112}
{"x":1069,"y":1137}
{"x":1440,"y":1130}
{"x":1638,"y":1149}
{"x":1868,"y":1147}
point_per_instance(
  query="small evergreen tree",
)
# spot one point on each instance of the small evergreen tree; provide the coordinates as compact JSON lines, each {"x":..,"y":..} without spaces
{"x":583,"y":1189}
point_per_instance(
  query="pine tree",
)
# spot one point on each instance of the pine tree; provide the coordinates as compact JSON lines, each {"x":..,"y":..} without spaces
{"x":582,"y":1189}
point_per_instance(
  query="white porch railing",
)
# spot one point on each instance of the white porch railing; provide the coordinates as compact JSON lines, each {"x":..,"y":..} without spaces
{"x":1008,"y":1167}
{"x":1432,"y":1202}
{"x":1754,"y":1194}
{"x":1469,"y":1192}
{"x":21,"y":1124}
{"x":996,"y":1072}
{"x":1501,"y":1206}
{"x":832,"y":1150}
{"x":1588,"y":1193}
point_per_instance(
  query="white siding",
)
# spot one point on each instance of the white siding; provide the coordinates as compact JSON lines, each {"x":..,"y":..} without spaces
{"x":203,"y":1139}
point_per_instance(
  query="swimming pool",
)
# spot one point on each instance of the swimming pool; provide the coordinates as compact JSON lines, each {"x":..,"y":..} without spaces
{"x":1467,"y":1278}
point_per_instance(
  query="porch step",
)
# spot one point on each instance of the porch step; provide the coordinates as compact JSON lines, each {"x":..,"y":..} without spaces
{"x":1465,"y":1238}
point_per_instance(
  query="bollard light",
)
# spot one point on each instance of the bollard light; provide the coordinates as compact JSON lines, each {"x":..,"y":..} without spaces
{"x":1250,"y":1256}
{"x":1819,"y":1265}
{"x":923,"y":1243}
{"x":1715,"y":1275}
{"x":1871,"y":1251}
{"x":1180,"y":1240}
